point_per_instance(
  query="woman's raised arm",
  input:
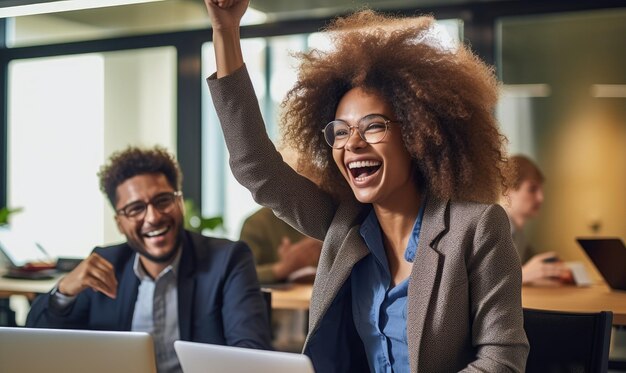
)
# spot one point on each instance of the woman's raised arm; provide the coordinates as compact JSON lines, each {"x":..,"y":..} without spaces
{"x":225,"y":18}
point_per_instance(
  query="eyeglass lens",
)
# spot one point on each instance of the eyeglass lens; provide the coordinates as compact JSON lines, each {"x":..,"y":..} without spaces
{"x":338,"y":132}
{"x":162,"y":202}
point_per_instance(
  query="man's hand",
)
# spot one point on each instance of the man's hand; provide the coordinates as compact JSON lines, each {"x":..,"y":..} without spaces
{"x":303,"y":253}
{"x":94,"y":272}
{"x":546,"y":270}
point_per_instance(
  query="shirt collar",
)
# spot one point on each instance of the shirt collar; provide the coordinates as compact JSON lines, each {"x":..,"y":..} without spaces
{"x":411,"y":247}
{"x":141,"y":273}
{"x":370,"y":231}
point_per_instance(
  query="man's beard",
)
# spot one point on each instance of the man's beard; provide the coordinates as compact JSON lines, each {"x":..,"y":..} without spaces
{"x":140,"y":249}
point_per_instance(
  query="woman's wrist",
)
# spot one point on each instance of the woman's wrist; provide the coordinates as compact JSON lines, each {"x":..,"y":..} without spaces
{"x":228,"y":55}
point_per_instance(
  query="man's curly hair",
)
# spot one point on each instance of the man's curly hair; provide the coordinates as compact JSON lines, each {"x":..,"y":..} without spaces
{"x":444,"y":99}
{"x":133,"y":161}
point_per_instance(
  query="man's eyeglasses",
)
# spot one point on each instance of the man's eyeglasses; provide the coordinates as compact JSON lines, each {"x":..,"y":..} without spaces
{"x":164,"y":203}
{"x":372,"y":130}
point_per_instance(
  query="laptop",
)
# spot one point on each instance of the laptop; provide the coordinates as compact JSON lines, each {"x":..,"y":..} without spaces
{"x":18,"y":250}
{"x":207,"y":358}
{"x":609,"y":257}
{"x":28,"y":350}
{"x":24,"y":258}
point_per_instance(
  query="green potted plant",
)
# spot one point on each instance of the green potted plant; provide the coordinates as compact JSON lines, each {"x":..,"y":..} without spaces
{"x":194,"y":221}
{"x":5,"y":213}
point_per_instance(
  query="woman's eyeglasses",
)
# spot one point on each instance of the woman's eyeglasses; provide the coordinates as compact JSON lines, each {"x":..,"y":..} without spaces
{"x":371,"y":129}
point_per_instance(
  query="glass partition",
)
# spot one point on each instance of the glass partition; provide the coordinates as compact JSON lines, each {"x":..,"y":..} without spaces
{"x":564,"y":104}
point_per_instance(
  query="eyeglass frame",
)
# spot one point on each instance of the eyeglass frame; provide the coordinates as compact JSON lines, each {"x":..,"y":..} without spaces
{"x":122,"y":211}
{"x":386,"y":122}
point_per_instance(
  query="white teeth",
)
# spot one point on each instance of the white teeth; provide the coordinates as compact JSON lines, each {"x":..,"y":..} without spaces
{"x":157,"y":232}
{"x":359,"y":164}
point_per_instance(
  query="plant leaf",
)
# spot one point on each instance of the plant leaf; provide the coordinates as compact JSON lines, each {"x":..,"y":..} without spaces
{"x":211,"y":223}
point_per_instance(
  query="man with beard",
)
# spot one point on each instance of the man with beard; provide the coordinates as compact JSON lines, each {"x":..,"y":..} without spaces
{"x":164,"y":280}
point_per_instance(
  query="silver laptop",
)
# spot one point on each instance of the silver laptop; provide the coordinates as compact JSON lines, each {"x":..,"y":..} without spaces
{"x":26,"y":350}
{"x":609,"y":256}
{"x":208,"y":358}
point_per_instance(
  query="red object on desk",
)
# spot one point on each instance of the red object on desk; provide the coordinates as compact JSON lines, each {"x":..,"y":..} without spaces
{"x":37,"y":266}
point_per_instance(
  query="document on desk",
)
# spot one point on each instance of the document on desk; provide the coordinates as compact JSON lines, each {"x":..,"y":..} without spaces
{"x":580,"y":274}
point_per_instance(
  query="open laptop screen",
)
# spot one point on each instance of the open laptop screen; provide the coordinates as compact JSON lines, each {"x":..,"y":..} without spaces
{"x":208,"y":358}
{"x":74,"y":351}
{"x":609,"y":257}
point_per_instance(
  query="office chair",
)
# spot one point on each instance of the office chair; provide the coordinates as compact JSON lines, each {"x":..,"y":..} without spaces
{"x":7,"y":315}
{"x":567,"y":342}
{"x":267,"y":296}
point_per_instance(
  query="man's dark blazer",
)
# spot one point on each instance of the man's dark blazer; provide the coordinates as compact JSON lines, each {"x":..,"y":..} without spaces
{"x":219,"y":300}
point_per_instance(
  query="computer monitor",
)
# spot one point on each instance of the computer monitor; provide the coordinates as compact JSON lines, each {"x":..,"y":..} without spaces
{"x":27,"y":350}
{"x":609,"y":256}
{"x":207,"y":358}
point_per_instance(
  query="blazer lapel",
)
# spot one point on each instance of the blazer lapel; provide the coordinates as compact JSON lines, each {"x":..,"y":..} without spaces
{"x":336,"y":264}
{"x":186,"y":288}
{"x":127,"y":294}
{"x":423,"y":275}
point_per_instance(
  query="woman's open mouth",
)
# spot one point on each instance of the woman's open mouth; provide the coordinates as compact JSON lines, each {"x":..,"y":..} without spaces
{"x":361,"y":170}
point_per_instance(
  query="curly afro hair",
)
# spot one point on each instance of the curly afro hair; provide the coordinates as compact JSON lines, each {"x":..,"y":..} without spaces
{"x":444,"y":98}
{"x":133,"y":161}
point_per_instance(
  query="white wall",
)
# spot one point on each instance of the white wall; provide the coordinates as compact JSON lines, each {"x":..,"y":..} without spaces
{"x":66,"y":116}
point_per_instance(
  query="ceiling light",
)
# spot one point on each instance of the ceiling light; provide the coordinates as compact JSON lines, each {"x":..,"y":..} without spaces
{"x":526,"y":90}
{"x":62,"y":6}
{"x":608,"y":90}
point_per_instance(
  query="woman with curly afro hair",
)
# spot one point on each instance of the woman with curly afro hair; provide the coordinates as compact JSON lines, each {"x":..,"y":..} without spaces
{"x":417,"y":271}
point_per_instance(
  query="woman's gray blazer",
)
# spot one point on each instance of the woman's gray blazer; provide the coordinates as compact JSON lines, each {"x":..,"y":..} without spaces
{"x":464,"y":300}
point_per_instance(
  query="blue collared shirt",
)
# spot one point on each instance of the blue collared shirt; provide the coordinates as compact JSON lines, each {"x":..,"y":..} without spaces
{"x":379,"y":311}
{"x":156,"y":312}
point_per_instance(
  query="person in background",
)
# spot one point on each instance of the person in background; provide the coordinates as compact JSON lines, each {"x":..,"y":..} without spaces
{"x":522,"y":202}
{"x":164,"y":280}
{"x":279,"y":250}
{"x":282,"y":254}
{"x":418,"y":272}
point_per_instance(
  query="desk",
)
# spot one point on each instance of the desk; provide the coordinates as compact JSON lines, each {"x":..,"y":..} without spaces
{"x":28,"y":288}
{"x":595,"y":298}
{"x":568,"y":298}
{"x":295,"y":297}
{"x":298,"y":297}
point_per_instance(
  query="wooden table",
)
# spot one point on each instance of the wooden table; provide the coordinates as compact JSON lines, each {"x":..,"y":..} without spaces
{"x":292,"y":297}
{"x":594,"y":298}
{"x":298,"y":297}
{"x":568,"y":298}
{"x":28,"y":288}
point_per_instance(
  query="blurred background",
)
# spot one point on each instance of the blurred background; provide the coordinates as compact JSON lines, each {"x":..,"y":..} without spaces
{"x":80,"y":84}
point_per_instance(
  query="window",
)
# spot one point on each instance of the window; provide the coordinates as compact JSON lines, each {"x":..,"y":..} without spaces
{"x":66,"y":116}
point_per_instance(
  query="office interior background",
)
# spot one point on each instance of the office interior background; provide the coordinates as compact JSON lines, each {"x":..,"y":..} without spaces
{"x":79,"y":85}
